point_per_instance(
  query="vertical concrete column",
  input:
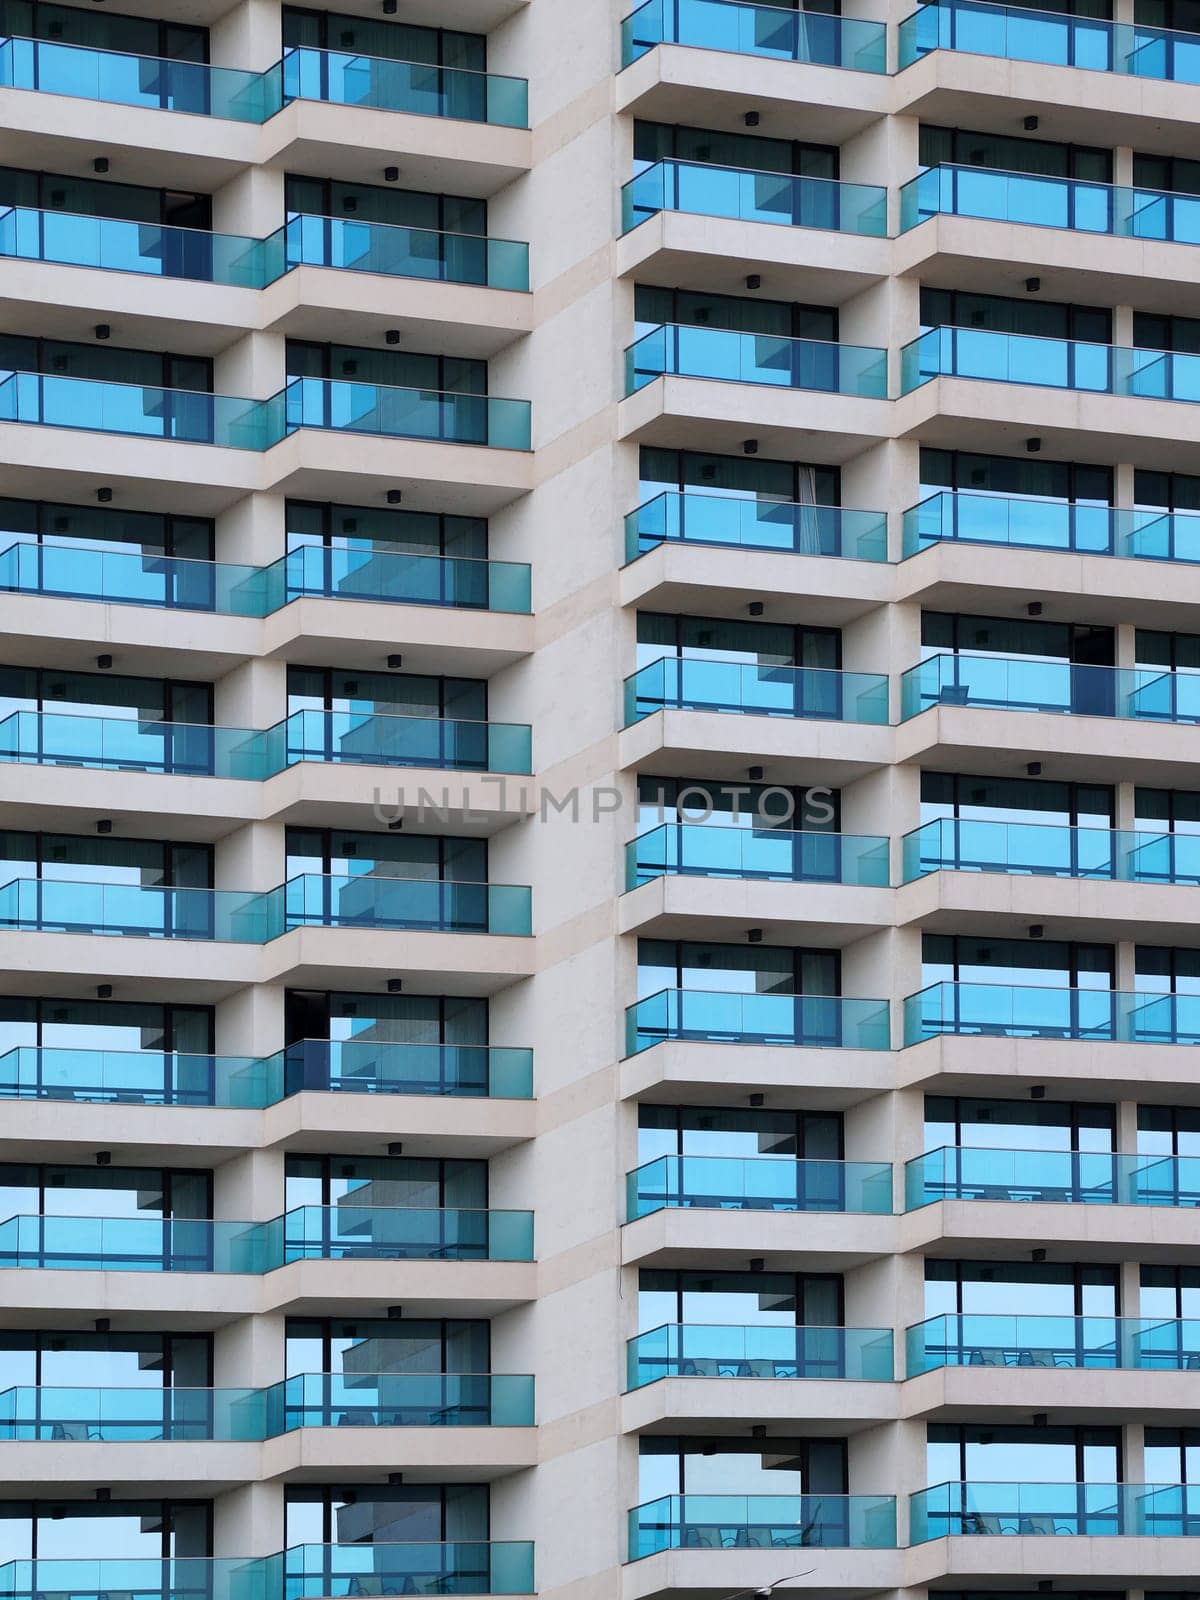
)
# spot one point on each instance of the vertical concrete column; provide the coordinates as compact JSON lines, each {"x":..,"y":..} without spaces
{"x":248,"y":36}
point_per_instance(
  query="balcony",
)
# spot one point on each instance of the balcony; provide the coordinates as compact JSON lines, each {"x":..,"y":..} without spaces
{"x":699,"y":683}
{"x":946,"y":352}
{"x":1043,"y":202}
{"x":1084,"y":1509}
{"x":773,"y":855}
{"x":759,"y":1183}
{"x":1030,"y":683}
{"x":951,"y":844}
{"x":1017,"y":34}
{"x":184,"y":415}
{"x":50,"y":738}
{"x":763,"y":1522}
{"x":1006,"y":1011}
{"x":314,"y":1571}
{"x":348,"y":245}
{"x":1030,"y":524}
{"x":43,"y":905}
{"x":305,"y":1572}
{"x":149,"y":81}
{"x":696,"y":1350}
{"x":307,"y":1233}
{"x":393,"y":413}
{"x":755,"y":30}
{"x":306,"y":1400}
{"x":751,"y":196}
{"x":775,"y":525}
{"x":419,"y":88}
{"x":1051,"y":1177}
{"x":814,"y":1021}
{"x":681,"y":350}
{"x":325,"y":1066}
{"x":343,"y":244}
{"x":1107,"y":1343}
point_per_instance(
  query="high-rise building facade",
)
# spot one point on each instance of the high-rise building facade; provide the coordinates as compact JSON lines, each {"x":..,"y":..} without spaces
{"x":600,"y":729}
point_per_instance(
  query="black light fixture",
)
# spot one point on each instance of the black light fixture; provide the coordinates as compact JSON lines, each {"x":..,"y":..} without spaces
{"x":755,"y":608}
{"x":395,"y":986}
{"x":395,"y":1148}
{"x":1037,"y":930}
{"x":103,"y":1495}
{"x":100,"y":164}
{"x":754,"y":281}
{"x":104,"y":662}
{"x":392,"y":336}
{"x":102,"y":1324}
{"x":1033,"y":769}
{"x":395,"y":662}
{"x":1034,"y":608}
{"x":1040,"y":1419}
{"x":104,"y":991}
{"x":751,"y":119}
{"x":757,"y":1263}
{"x":102,"y":330}
{"x":389,"y":8}
{"x":758,"y":1431}
{"x":755,"y":1099}
{"x":1037,"y":1256}
{"x":1037,"y":1091}
{"x":1030,"y":124}
{"x":395,"y":1477}
{"x":396,"y":825}
{"x":395,"y":496}
{"x":1033,"y":445}
{"x":395,"y":1313}
{"x":749,"y":447}
{"x":104,"y":825}
{"x":391,"y":174}
{"x":104,"y":496}
{"x":754,"y":774}
{"x":104,"y":1158}
{"x":1032,"y":285}
{"x":754,"y":935}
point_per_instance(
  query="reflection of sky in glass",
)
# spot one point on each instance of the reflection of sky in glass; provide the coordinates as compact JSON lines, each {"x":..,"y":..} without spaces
{"x":1017,"y":1455}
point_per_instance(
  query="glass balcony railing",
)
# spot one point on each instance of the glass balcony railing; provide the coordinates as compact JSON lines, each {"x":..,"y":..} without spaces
{"x":716,"y":683}
{"x":342,"y":243}
{"x":153,"y":82}
{"x":1006,"y":1011}
{"x":349,"y":245}
{"x":306,"y":1400}
{"x":717,"y":1016}
{"x":1046,"y":202}
{"x":1127,"y":1343}
{"x":368,"y":901}
{"x":782,"y":525}
{"x":316,"y":1571}
{"x":1051,"y":1177}
{"x":1146,"y":1510}
{"x":420,"y":88}
{"x":699,"y":1350}
{"x":756,"y":30}
{"x":1031,"y":524}
{"x":48,"y":738}
{"x":405,"y":1233}
{"x":754,"y":196}
{"x":145,"y":1578}
{"x":681,"y":350}
{"x":759,"y":1183}
{"x":155,"y":250}
{"x":1032,"y":683}
{"x":776,"y":854}
{"x":1016,"y":33}
{"x":51,"y":905}
{"x":762,"y":1522}
{"x":1049,"y":364}
{"x":430,"y":414}
{"x":960,"y":844}
{"x":308,"y":1233}
{"x":327,"y":1066}
{"x":184,"y":415}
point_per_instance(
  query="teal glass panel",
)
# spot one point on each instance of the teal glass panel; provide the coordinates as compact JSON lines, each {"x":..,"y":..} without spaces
{"x":1082,"y":1509}
{"x":1051,"y":1177}
{"x":697,"y":683}
{"x":316,"y":1571}
{"x":401,"y":1399}
{"x":762,"y":1522}
{"x":383,"y":575}
{"x":814,"y":1021}
{"x":50,"y":905}
{"x":682,"y":849}
{"x":406,"y":1233}
{"x":366,"y":901}
{"x":1049,"y":363}
{"x":184,"y":415}
{"x":759,"y":1183}
{"x":698,"y":1350}
{"x":406,"y":413}
{"x":1026,"y":523}
{"x":381,"y":740}
{"x":148,"y":81}
{"x":422,"y":89}
{"x":381,"y":1066}
{"x":688,"y":351}
{"x":402,"y":252}
{"x":115,"y":245}
{"x":756,"y":525}
{"x":133,"y":1077}
{"x":751,"y":196}
{"x":1014,"y":1012}
{"x":1014,"y":1341}
{"x":757,"y":30}
{"x":88,"y":572}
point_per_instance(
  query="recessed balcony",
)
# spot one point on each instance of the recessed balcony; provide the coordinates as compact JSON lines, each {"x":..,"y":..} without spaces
{"x":774,"y":855}
{"x":958,"y":844}
{"x":699,"y":683}
{"x":1051,"y":1177}
{"x":777,"y":198}
{"x":323,"y":1066}
{"x":1016,"y":683}
{"x":775,"y":525}
{"x":1092,"y":1510}
{"x":815,"y":1021}
{"x":1140,"y":1344}
{"x":757,"y":30}
{"x":1010,"y":1011}
{"x":762,"y":1522}
{"x":758,"y":1183}
{"x":307,"y":1233}
{"x":696,"y":1350}
{"x":687,"y":351}
{"x":1033,"y":524}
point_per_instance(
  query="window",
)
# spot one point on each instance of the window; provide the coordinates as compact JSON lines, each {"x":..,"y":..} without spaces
{"x":98,"y":197}
{"x":376,"y":1345}
{"x":75,"y":1359}
{"x":424,"y":533}
{"x":151,"y":1530}
{"x":1176,"y":174}
{"x":966,"y":472}
{"x":65,"y":1024}
{"x":737,"y":477}
{"x":1034,"y":800}
{"x":106,"y":363}
{"x":131,"y":532}
{"x":761,"y":643}
{"x":61,"y":1191}
{"x":1018,"y":1124}
{"x":402,"y":1018}
{"x":103,"y":30}
{"x":1037,"y":963}
{"x":1170,"y":1294}
{"x":396,"y":369}
{"x":1161,"y":969}
{"x":722,"y":1464}
{"x":1172,"y":652}
{"x":664,"y":141}
{"x":374,"y":1513}
{"x":653,"y":306}
{"x":667,"y":800}
{"x":1044,"y":319}
{"x":740,"y":1299}
{"x":400,"y":694}
{"x":1005,"y":153}
{"x":371,"y":1181}
{"x":104,"y":694}
{"x":1004,"y":1453}
{"x":1152,"y":331}
{"x":384,"y":203}
{"x":723,"y":1131}
{"x":735,"y":968}
{"x":1040,"y":1288}
{"x":142,"y":863}
{"x":333,"y":851}
{"x":397,"y":41}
